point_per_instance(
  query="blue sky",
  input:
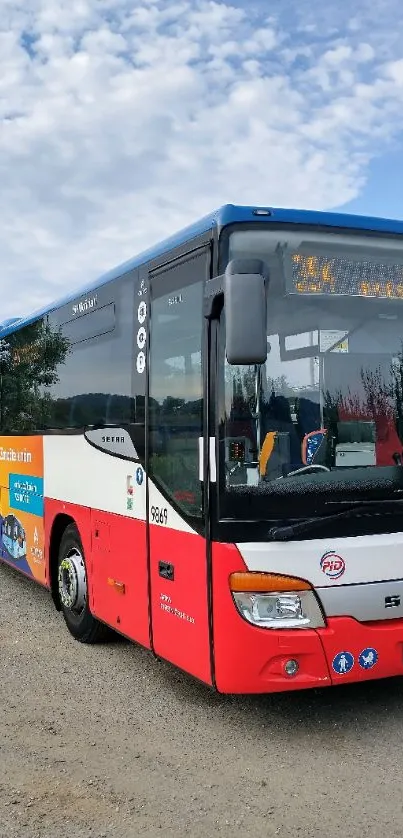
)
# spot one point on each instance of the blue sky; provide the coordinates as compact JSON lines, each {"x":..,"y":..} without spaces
{"x":122,"y":122}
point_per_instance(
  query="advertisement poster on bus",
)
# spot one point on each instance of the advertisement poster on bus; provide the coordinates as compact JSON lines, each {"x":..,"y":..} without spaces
{"x":21,"y":504}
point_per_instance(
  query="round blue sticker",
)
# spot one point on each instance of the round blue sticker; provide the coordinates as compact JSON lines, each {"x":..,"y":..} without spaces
{"x":368,"y":658}
{"x":139,"y":476}
{"x":343,"y":662}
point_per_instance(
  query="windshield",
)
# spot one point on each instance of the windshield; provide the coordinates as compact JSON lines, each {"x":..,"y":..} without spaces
{"x":322,"y":419}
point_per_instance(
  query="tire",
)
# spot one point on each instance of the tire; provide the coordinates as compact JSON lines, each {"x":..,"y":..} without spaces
{"x":72,"y":590}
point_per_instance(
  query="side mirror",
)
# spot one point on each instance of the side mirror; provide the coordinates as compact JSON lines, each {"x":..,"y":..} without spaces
{"x":246,"y":311}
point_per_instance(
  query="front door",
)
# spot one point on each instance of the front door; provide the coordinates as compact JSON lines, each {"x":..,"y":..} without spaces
{"x":177,"y":544}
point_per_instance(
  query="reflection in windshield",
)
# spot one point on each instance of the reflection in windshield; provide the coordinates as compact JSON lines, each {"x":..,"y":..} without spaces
{"x":338,"y":412}
{"x":330,"y":395}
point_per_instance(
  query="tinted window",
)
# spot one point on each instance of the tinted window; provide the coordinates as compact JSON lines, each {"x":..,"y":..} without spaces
{"x":95,"y":382}
{"x":176,"y":384}
{"x":29,"y":362}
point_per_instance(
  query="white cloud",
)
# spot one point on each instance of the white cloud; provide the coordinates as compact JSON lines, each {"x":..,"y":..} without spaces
{"x":119,"y":125}
{"x":394,"y":70}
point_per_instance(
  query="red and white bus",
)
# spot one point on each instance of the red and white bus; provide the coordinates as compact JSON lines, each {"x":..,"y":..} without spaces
{"x":203,"y":450}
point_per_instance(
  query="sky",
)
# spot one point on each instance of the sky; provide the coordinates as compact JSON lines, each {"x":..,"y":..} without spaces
{"x":123,"y":120}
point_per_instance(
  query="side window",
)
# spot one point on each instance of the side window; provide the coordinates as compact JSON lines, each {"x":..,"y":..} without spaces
{"x":176,"y":382}
{"x":94,"y":381}
{"x":29,"y":362}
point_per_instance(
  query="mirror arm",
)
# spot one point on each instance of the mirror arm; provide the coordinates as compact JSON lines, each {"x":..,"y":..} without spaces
{"x":214,"y":298}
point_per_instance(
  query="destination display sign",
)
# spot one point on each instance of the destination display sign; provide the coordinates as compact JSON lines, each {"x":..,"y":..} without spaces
{"x":343,"y":275}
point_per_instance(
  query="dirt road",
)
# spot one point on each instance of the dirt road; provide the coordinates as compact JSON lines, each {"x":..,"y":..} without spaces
{"x":105,"y":741}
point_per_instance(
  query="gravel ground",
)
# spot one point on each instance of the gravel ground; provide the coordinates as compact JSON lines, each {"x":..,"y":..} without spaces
{"x":106,"y":741}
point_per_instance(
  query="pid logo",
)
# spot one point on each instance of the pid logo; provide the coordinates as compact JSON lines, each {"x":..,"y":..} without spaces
{"x":332,"y":565}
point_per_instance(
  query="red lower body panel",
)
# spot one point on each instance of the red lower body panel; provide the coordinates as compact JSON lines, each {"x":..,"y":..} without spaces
{"x":252,"y":660}
{"x":247,"y":659}
{"x":179,"y":604}
{"x":115,"y":551}
{"x":120,"y":574}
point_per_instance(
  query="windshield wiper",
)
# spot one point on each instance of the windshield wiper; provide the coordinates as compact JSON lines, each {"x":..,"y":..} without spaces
{"x":286,"y":533}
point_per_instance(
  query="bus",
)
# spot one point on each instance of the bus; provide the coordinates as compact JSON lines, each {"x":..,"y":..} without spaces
{"x":202,"y":450}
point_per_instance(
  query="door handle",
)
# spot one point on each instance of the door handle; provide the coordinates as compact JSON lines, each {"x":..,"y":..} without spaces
{"x":166,"y":570}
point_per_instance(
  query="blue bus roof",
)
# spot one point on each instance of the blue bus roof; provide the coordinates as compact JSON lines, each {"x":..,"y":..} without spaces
{"x":227,"y":214}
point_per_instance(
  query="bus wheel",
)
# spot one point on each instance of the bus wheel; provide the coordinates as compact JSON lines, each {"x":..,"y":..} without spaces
{"x":72,"y":587}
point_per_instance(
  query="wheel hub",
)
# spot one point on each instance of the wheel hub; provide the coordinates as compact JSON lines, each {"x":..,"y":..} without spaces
{"x":72,"y":581}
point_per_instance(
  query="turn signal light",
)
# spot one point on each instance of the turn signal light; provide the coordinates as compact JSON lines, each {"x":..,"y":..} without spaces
{"x":266,"y":582}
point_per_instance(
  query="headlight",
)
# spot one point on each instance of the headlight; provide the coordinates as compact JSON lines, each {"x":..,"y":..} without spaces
{"x":292,"y":605}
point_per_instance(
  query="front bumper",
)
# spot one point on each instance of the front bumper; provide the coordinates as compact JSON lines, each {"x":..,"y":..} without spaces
{"x":375,"y":650}
{"x":346,"y":651}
